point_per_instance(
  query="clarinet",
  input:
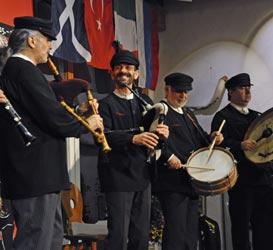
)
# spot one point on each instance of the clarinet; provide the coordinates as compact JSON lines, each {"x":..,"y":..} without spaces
{"x":26,"y":135}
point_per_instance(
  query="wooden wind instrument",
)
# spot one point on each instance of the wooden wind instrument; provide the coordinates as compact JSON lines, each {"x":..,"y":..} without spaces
{"x":98,"y":133}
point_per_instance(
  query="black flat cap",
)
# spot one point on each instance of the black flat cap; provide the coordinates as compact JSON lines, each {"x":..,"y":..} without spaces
{"x":124,"y":56}
{"x":240,"y":80}
{"x":35,"y":23}
{"x":179,"y":81}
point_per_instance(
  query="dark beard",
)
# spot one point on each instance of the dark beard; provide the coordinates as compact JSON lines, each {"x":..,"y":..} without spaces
{"x":123,"y":83}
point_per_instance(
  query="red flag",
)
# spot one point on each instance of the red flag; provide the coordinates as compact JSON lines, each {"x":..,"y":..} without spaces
{"x":99,"y":26}
{"x":12,"y":8}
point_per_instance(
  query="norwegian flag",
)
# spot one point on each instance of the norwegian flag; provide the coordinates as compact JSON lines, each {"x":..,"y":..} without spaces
{"x":69,"y":29}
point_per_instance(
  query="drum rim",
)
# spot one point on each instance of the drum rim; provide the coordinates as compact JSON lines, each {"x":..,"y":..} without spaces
{"x":232,"y":173}
{"x":207,"y":148}
{"x":220,"y":186}
{"x":215,"y":148}
{"x":219,"y":190}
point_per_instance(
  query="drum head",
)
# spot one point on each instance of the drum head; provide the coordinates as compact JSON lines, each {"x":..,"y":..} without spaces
{"x":261,"y":130}
{"x":221,"y":163}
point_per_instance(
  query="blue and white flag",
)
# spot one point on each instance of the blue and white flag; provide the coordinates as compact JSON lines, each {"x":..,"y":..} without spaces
{"x":69,"y":29}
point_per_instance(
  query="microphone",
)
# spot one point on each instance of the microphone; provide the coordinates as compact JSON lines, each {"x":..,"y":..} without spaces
{"x":146,"y":105}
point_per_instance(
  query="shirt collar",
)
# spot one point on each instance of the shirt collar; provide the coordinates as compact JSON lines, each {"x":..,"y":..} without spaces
{"x":23,"y":57}
{"x":178,"y":110}
{"x":126,"y":97}
{"x":242,"y":110}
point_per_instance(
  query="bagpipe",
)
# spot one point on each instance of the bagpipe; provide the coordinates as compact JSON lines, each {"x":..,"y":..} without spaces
{"x":152,"y":116}
{"x":66,"y":91}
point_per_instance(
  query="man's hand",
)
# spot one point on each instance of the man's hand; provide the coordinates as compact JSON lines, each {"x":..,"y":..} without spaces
{"x":224,"y":78}
{"x":174,"y":162}
{"x":218,"y":136}
{"x":146,"y":139}
{"x":3,"y":98}
{"x":95,"y":122}
{"x":83,"y":108}
{"x":162,"y":130}
{"x":248,"y":145}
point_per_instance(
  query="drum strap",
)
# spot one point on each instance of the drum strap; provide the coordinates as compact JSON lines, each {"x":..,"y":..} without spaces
{"x":194,"y":122}
{"x":197,"y":126}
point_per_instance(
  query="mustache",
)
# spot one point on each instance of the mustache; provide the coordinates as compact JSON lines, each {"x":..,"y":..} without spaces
{"x":124,"y":74}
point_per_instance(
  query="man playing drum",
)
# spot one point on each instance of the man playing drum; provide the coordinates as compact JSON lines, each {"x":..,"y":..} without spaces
{"x":178,"y":199}
{"x":251,"y":200}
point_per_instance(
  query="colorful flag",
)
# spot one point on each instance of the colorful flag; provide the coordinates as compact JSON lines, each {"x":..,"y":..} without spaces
{"x":68,"y":26}
{"x":148,"y":44}
{"x":125,"y":23}
{"x":12,"y":8}
{"x":99,"y":26}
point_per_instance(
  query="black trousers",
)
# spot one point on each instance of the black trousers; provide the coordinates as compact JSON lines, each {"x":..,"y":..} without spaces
{"x":39,"y":223}
{"x":128,"y":219}
{"x":181,"y":221}
{"x":251,"y":206}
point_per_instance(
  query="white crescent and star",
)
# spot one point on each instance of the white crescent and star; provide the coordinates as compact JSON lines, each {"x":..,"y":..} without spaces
{"x":98,"y":20}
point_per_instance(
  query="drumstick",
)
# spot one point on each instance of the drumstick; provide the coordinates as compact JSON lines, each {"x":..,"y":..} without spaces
{"x":206,"y":169}
{"x":213,"y":142}
{"x":186,"y":166}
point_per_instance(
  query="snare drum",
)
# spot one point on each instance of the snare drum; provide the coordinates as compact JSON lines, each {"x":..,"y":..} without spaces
{"x":211,"y":182}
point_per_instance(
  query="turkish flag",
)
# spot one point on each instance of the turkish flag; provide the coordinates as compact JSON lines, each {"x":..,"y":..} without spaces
{"x":13,"y":8}
{"x":98,"y":18}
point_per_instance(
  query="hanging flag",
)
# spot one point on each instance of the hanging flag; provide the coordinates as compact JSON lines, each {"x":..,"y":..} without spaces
{"x":69,"y":29}
{"x":99,"y":26}
{"x":148,"y":44}
{"x":125,"y":24}
{"x":136,"y":30}
{"x":12,"y":8}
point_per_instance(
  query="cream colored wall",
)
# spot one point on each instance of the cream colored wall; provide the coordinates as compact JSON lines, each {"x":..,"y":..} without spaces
{"x":212,"y":38}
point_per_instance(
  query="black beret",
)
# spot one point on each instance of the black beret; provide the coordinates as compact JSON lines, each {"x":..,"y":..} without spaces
{"x":35,"y":23}
{"x":179,"y":81}
{"x":124,"y":56}
{"x":239,"y":80}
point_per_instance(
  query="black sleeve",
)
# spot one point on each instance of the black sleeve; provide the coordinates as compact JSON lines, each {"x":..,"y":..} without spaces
{"x":39,"y":100}
{"x":166,"y":153}
{"x":228,"y":141}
